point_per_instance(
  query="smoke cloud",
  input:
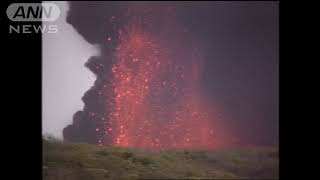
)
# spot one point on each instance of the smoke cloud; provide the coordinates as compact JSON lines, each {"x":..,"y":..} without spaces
{"x":179,"y":75}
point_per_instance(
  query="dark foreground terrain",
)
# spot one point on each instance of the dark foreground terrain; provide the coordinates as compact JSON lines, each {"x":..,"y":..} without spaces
{"x":65,"y":161}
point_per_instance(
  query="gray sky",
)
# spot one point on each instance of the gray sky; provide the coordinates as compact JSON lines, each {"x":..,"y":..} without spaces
{"x":64,"y":77}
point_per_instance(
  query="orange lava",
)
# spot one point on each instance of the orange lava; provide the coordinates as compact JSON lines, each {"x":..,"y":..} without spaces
{"x":156,"y":98}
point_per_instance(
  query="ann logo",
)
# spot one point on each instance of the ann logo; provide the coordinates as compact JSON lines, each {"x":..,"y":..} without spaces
{"x":33,"y":12}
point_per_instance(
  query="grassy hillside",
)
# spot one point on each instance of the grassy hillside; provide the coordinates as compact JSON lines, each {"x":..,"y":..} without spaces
{"x":64,"y":161}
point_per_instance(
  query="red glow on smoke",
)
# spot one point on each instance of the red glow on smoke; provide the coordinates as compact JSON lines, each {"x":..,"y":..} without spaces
{"x":156,"y":101}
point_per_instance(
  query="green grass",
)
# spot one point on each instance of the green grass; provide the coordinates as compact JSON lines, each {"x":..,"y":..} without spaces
{"x":70,"y":161}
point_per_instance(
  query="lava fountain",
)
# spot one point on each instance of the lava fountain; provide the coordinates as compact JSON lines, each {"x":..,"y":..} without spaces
{"x":155,"y":98}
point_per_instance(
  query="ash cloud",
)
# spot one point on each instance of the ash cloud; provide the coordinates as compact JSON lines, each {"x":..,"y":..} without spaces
{"x":91,"y":19}
{"x":240,"y":70}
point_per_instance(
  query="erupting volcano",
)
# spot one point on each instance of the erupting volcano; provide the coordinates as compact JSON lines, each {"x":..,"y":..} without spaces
{"x":148,"y":90}
{"x":156,"y":102}
{"x":178,"y":75}
{"x":155,"y":98}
